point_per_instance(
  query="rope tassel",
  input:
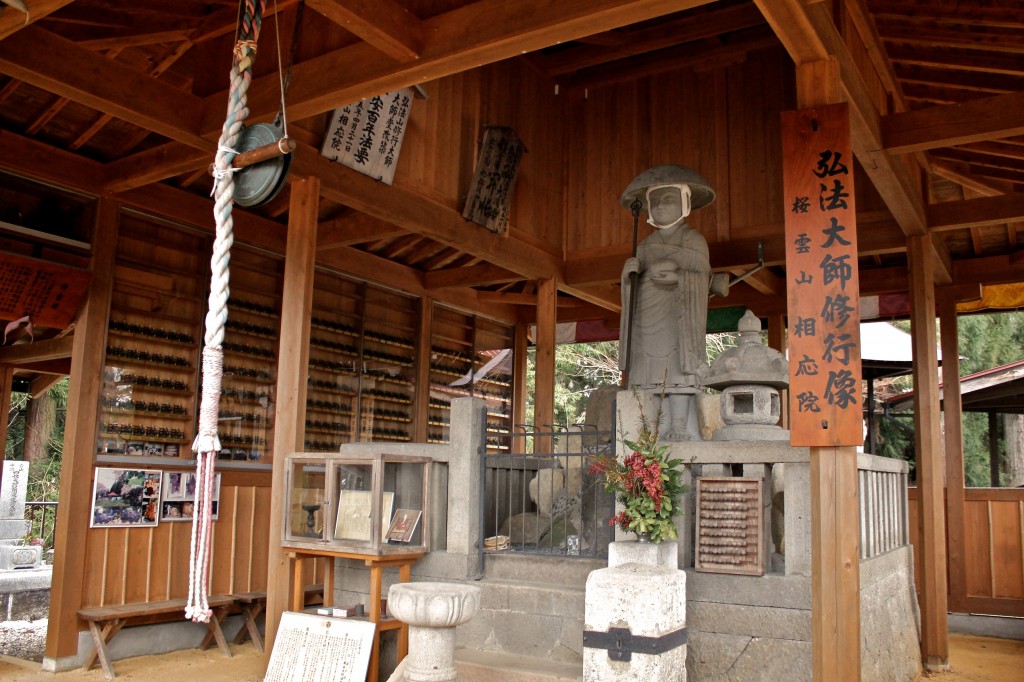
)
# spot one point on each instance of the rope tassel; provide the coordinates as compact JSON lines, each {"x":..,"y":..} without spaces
{"x":207,"y":442}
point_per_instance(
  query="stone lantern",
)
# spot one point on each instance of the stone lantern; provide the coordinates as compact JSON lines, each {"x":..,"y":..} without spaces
{"x":749,"y":376}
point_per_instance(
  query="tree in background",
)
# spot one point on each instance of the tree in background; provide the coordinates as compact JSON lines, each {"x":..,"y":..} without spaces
{"x":988,"y":341}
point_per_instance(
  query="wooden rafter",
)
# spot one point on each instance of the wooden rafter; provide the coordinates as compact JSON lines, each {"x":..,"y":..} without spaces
{"x":992,"y":210}
{"x":353,"y":228}
{"x":49,"y":349}
{"x":980,"y":119}
{"x":12,"y":21}
{"x":385,"y":24}
{"x":474,"y":275}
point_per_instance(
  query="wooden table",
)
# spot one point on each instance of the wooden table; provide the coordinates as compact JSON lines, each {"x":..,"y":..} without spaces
{"x":376,"y":564}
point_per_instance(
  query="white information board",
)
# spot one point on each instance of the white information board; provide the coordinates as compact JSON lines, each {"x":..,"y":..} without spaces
{"x":309,"y":647}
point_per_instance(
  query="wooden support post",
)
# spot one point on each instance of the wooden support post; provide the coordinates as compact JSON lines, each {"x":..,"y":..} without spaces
{"x":952,"y":416}
{"x":930,"y":468}
{"x":544,"y":384}
{"x":835,"y":556}
{"x":421,"y":407}
{"x":519,"y":351}
{"x":292,"y":368}
{"x":835,"y":564}
{"x":88,"y":352}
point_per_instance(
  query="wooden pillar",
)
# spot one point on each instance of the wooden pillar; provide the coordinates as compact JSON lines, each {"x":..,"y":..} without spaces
{"x":292,"y":370}
{"x":952,"y":416}
{"x":519,"y":363}
{"x":88,"y":351}
{"x":544,"y":384}
{"x":835,"y":556}
{"x":421,"y":404}
{"x":930,"y":467}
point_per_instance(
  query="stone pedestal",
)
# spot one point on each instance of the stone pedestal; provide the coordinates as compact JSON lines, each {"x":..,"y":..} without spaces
{"x":631,"y":609}
{"x":432,"y":610}
{"x":663,"y":554}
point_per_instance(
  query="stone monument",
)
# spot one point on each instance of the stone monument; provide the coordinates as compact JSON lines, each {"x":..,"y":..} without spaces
{"x":665,"y":288}
{"x":13,"y":526}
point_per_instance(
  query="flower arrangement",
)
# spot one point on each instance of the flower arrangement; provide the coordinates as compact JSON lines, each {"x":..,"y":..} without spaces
{"x":646,"y":483}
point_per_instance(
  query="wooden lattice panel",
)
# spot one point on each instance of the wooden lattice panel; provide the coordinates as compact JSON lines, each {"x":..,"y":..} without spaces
{"x":730,"y":526}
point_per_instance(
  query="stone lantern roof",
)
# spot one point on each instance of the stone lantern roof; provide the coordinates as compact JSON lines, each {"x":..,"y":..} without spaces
{"x":749,"y":362}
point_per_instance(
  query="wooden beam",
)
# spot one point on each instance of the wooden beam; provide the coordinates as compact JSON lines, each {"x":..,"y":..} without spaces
{"x":987,"y":118}
{"x":522,"y":299}
{"x":43,"y":383}
{"x":385,"y":24}
{"x":49,"y":349}
{"x":955,"y":215}
{"x":766,"y":282}
{"x":464,"y":38}
{"x":12,"y":21}
{"x":354,"y":227}
{"x":961,"y":174}
{"x":56,"y":367}
{"x":930,"y":467}
{"x":74,"y":510}
{"x":472,"y":276}
{"x":55,"y":64}
{"x":292,"y":371}
{"x":31,"y":159}
{"x":420,"y":214}
{"x":154,"y":165}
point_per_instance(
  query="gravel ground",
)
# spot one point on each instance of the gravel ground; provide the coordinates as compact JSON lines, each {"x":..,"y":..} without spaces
{"x":23,"y":639}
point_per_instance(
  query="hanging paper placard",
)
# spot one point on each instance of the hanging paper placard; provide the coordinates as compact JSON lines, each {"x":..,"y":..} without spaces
{"x":367,"y":136}
{"x":824,"y":284}
{"x":494,"y":180}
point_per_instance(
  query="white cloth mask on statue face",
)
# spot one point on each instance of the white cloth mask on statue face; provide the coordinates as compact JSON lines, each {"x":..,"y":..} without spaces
{"x":667,"y":205}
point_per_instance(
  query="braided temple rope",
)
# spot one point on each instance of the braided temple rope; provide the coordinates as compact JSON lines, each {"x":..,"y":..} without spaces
{"x":207,"y":442}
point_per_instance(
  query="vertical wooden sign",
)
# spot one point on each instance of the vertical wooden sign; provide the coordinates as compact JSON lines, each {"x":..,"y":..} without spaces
{"x":367,"y":136}
{"x":823,"y":287}
{"x":494,"y":179}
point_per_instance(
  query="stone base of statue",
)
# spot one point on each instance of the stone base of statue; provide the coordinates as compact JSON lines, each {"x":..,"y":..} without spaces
{"x":635,"y":617}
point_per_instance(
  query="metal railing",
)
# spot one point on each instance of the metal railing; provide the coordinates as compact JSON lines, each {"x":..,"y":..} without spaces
{"x":547,"y":501}
{"x":42,"y":517}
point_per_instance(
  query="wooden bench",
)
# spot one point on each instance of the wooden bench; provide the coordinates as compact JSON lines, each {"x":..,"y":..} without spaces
{"x":106,"y":621}
{"x":250,"y":606}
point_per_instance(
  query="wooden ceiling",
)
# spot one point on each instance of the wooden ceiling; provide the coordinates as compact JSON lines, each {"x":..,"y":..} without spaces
{"x":126,"y":99}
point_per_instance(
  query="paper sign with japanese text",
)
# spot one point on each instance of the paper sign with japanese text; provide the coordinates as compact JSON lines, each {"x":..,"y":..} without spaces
{"x":494,"y":179}
{"x":823,"y":287}
{"x":367,"y":136}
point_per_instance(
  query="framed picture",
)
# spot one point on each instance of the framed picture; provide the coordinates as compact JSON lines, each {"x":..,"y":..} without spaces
{"x":403,"y":525}
{"x":354,"y":507}
{"x":179,"y":496}
{"x":125,"y":497}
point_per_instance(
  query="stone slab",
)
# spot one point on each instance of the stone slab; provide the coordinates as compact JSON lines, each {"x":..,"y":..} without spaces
{"x":725,"y":658}
{"x":751,"y":621}
{"x":790,"y":592}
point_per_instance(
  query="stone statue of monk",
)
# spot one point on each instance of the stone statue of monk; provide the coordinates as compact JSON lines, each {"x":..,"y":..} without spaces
{"x":666,"y":333}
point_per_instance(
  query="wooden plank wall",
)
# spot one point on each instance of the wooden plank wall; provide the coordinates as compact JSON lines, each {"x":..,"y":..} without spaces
{"x":129,"y":565}
{"x":440,"y":145}
{"x":723,"y":123}
{"x":993,"y":550}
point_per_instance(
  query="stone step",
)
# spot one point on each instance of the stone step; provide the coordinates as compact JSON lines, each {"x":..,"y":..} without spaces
{"x":488,"y":666}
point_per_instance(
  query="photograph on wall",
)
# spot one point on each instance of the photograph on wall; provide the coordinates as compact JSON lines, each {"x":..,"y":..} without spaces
{"x":125,"y":497}
{"x":179,"y":496}
{"x":354,"y":509}
{"x":403,"y":525}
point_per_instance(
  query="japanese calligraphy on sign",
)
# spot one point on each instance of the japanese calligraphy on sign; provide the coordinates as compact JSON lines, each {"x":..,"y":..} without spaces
{"x":367,"y":136}
{"x":490,"y":193}
{"x":47,"y":292}
{"x":823,"y":291}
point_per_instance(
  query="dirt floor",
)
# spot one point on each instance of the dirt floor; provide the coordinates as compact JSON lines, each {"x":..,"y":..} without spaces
{"x":972,"y":659}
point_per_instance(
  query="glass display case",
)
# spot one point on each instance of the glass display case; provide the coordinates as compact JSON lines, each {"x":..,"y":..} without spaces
{"x":373,"y":504}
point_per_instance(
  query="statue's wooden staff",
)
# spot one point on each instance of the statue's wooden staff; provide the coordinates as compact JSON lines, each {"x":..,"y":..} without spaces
{"x":634,"y":208}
